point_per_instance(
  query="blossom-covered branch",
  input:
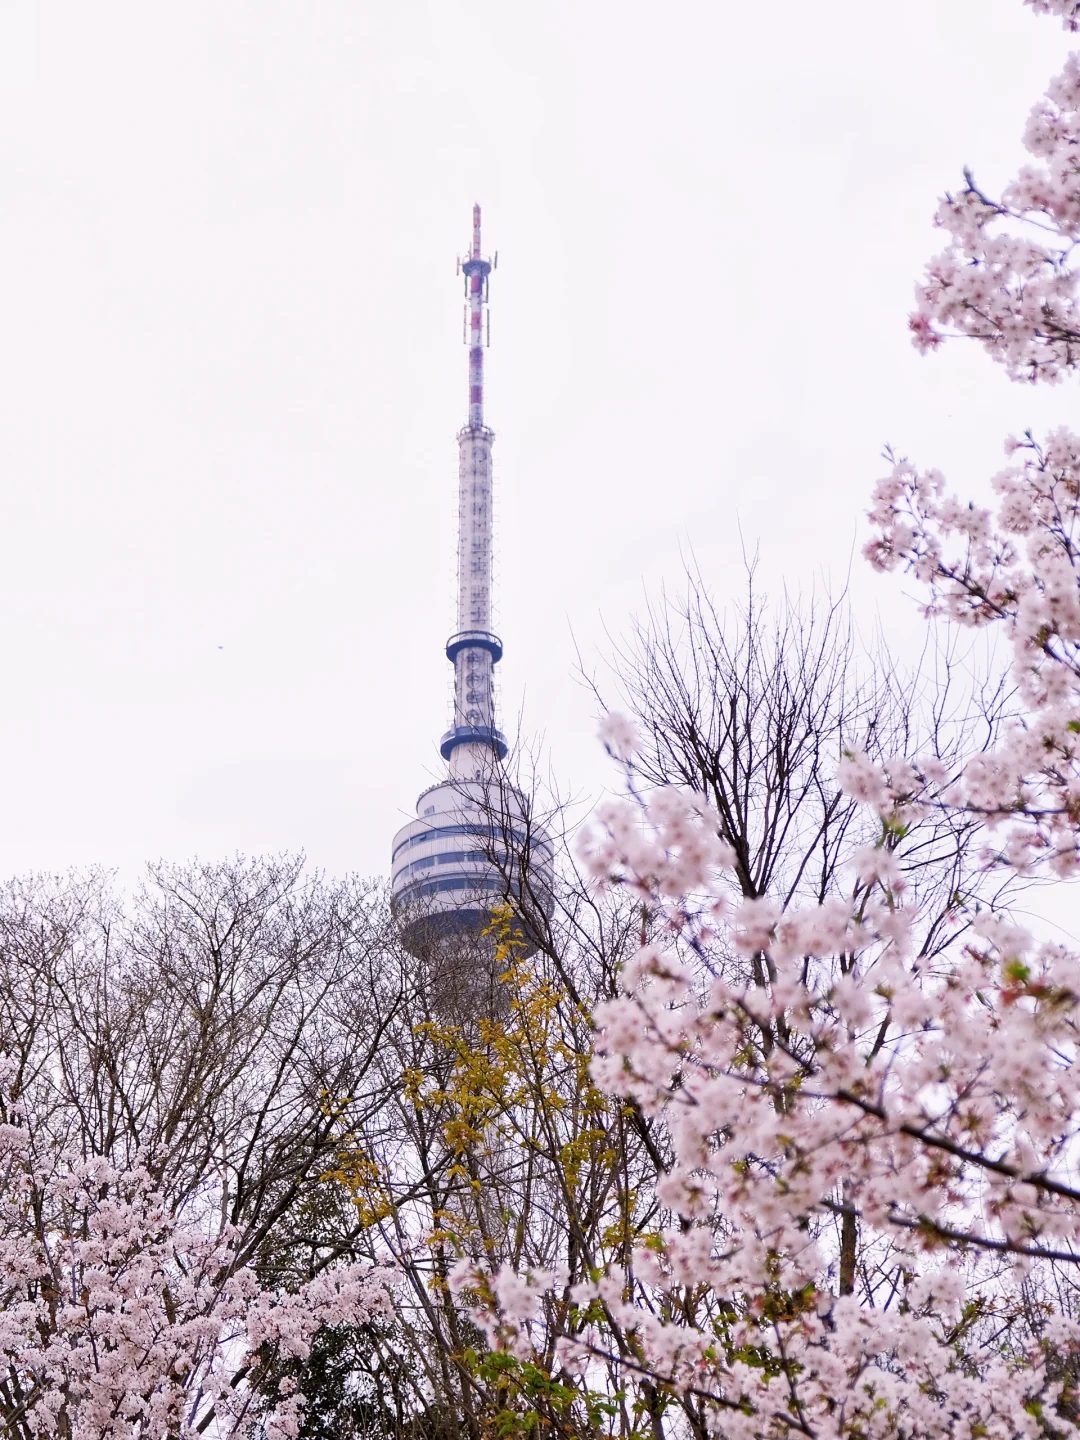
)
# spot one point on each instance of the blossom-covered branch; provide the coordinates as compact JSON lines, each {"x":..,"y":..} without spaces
{"x":1069,"y":10}
{"x":1016,"y":569}
{"x":1009,"y":277}
{"x":121,"y":1318}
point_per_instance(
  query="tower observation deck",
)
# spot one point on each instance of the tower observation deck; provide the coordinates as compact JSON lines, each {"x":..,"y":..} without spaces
{"x":472,"y":845}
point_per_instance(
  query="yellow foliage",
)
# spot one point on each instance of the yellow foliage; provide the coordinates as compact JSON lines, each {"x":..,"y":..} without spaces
{"x":518,"y":1084}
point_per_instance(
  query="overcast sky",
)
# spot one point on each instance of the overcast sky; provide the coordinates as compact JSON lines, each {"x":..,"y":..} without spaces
{"x":231,"y":368}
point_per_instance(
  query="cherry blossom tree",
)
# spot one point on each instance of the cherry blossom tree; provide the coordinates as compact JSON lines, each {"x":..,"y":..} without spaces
{"x":819,"y":1074}
{"x":1007,"y":277}
{"x":122,"y":1318}
{"x":170,"y":1071}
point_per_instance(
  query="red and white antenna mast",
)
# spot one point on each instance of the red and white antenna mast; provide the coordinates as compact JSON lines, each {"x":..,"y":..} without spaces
{"x":477,"y":270}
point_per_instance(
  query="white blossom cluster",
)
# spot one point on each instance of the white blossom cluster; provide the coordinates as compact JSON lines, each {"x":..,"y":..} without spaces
{"x":119,"y":1318}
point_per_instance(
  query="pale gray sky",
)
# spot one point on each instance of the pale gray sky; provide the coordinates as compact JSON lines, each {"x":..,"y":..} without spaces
{"x":232,"y":372}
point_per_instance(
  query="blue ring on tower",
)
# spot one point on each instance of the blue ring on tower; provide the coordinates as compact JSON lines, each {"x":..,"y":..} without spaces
{"x":473,"y":735}
{"x":476,"y":267}
{"x":474,"y":640}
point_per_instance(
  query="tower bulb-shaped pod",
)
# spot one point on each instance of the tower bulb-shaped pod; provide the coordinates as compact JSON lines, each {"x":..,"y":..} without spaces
{"x":472,"y":846}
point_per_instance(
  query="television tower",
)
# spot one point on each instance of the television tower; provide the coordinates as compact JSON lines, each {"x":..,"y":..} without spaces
{"x":472,"y":841}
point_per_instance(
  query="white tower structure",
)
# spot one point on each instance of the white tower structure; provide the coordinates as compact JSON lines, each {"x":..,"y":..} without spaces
{"x":472,"y":844}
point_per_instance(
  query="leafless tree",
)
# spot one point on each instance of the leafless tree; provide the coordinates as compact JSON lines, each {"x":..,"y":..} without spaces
{"x":754,"y":707}
{"x":204,"y":1027}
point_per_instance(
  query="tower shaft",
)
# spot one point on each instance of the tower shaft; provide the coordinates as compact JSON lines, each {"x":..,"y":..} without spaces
{"x":473,"y":649}
{"x":474,"y":688}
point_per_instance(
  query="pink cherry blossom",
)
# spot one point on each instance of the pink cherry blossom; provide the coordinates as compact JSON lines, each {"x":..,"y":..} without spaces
{"x":619,"y":736}
{"x":1007,"y":277}
{"x":1069,"y":10}
{"x":818,"y":1081}
{"x":121,"y":1318}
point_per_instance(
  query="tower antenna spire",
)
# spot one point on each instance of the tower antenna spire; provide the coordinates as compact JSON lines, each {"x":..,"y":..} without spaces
{"x":477,"y":270}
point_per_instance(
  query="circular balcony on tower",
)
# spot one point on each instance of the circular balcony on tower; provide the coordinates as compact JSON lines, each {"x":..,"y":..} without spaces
{"x":485,"y":735}
{"x":474,"y":640}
